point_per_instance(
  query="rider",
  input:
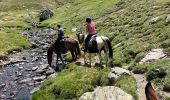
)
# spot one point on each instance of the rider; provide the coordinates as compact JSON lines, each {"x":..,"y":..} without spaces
{"x":90,"y":29}
{"x":60,"y":35}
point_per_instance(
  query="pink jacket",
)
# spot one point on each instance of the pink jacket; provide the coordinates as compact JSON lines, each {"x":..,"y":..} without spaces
{"x":90,"y":28}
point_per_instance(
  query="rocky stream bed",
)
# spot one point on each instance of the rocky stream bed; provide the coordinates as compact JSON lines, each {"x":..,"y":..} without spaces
{"x":23,"y":73}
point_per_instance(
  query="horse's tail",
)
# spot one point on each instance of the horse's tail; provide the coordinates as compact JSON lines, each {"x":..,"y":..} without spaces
{"x":50,"y":55}
{"x":78,"y":48}
{"x":110,"y":48}
{"x":150,"y":92}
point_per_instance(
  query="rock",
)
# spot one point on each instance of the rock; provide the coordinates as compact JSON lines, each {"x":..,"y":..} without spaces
{"x":40,"y":78}
{"x":3,"y":96}
{"x":26,"y":80}
{"x":116,"y":72}
{"x":155,"y":54}
{"x":117,"y":45}
{"x":153,"y":20}
{"x":53,"y":75}
{"x":50,"y":71}
{"x":106,"y":93}
{"x":34,"y":68}
{"x":45,"y":14}
{"x":168,"y":18}
{"x":41,"y":69}
{"x":34,"y":90}
{"x":2,"y":85}
{"x":18,"y":73}
{"x":24,"y":58}
{"x":20,"y":68}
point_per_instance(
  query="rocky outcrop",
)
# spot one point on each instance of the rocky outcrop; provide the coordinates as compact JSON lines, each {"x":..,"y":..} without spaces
{"x":45,"y":14}
{"x":116,"y":72}
{"x":106,"y":93}
{"x":155,"y":54}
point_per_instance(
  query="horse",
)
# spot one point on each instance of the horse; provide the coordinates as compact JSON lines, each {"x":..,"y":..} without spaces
{"x":70,"y":44}
{"x":150,"y":92}
{"x":96,"y":45}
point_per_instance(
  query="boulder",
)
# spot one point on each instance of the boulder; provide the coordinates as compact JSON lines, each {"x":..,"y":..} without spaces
{"x":106,"y":93}
{"x":168,"y":18}
{"x":116,"y":72}
{"x":45,"y":14}
{"x":154,"y":54}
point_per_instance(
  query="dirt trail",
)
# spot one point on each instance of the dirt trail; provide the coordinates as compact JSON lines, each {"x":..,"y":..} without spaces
{"x":141,"y":83}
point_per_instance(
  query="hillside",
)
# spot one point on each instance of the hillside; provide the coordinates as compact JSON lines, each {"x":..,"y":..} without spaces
{"x":134,"y":27}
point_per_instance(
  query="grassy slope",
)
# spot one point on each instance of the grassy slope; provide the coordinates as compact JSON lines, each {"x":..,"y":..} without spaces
{"x":127,"y":22}
{"x":75,"y":80}
{"x":72,"y":82}
{"x":12,"y":22}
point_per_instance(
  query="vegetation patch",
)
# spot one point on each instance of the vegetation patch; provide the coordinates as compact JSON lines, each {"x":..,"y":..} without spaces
{"x":128,"y":84}
{"x":72,"y":82}
{"x":160,"y":76}
{"x":12,"y":41}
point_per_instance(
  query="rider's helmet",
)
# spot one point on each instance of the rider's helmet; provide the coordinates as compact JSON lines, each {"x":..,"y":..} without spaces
{"x":88,"y":20}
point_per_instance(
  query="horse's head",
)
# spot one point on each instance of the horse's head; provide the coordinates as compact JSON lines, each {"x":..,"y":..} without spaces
{"x":80,"y":37}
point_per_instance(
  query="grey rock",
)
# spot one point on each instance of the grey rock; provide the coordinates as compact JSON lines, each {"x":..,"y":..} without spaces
{"x":42,"y":69}
{"x":106,"y":93}
{"x":3,"y":96}
{"x":45,"y":14}
{"x":116,"y":72}
{"x":39,"y":78}
{"x":153,"y":20}
{"x":2,"y":85}
{"x":168,"y":18}
{"x":153,"y":55}
{"x":50,"y":71}
{"x":18,"y":73}
{"x":34,"y":90}
{"x":26,"y":80}
{"x":34,"y":68}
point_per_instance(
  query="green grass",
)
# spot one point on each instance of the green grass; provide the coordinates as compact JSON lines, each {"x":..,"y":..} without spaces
{"x":72,"y":82}
{"x":147,"y":69}
{"x":128,"y":84}
{"x":12,"y":41}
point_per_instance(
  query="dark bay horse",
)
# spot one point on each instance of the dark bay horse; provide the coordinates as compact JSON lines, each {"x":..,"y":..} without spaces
{"x":150,"y":92}
{"x":96,"y":45}
{"x":70,"y":44}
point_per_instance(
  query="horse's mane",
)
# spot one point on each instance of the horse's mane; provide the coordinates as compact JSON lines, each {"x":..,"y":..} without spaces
{"x":150,"y":92}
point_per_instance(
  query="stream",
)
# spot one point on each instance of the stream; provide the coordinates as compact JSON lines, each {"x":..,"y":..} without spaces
{"x":19,"y":80}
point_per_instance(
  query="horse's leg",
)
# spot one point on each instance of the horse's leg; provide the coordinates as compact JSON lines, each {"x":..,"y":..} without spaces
{"x":61,"y":59}
{"x":56,"y":59}
{"x":99,"y":55}
{"x":106,"y":54}
{"x":85,"y":58}
{"x":73,"y":57}
{"x":90,"y":58}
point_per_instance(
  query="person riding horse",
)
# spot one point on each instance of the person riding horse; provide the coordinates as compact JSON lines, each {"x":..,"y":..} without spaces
{"x":91,"y":31}
{"x":60,"y":39}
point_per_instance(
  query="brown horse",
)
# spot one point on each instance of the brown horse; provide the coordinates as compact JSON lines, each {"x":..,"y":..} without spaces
{"x":70,"y":44}
{"x":150,"y":92}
